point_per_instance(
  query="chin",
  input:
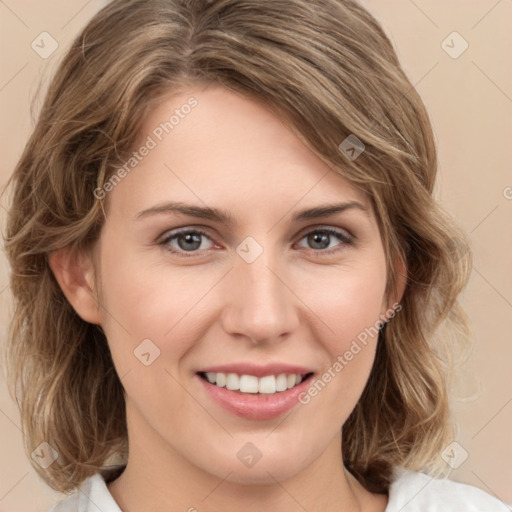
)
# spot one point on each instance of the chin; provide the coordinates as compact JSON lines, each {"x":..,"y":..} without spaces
{"x":275,"y":465}
{"x":264,"y":474}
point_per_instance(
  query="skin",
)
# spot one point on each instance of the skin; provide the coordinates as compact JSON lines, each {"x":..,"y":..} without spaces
{"x":293,"y":304}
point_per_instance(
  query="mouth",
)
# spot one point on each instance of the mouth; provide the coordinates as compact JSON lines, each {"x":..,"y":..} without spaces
{"x":253,"y":385}
{"x":263,"y":397}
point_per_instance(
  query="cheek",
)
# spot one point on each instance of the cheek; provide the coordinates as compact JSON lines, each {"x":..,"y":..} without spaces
{"x":348,"y":305}
{"x":144,"y":301}
{"x":150,"y":321}
{"x":346,"y":300}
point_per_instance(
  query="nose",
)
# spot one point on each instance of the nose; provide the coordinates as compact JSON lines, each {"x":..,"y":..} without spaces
{"x":259,"y":303}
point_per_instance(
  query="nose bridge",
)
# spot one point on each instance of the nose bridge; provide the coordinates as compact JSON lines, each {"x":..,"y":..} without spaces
{"x":259,"y":305}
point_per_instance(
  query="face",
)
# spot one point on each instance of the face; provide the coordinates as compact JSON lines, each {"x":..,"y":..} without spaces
{"x":262,"y":289}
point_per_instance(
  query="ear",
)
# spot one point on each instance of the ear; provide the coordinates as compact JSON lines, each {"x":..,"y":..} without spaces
{"x":395,"y":296}
{"x":401,"y":278}
{"x":74,"y":272}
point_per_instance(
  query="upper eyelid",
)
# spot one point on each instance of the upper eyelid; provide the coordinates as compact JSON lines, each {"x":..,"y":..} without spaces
{"x":171,"y":233}
{"x":321,"y":227}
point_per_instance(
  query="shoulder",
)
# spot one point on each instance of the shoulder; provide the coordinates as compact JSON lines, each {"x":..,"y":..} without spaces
{"x":92,"y":495}
{"x":414,"y":492}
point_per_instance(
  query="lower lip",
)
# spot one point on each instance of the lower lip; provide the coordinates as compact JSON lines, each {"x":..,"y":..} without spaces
{"x":255,"y":406}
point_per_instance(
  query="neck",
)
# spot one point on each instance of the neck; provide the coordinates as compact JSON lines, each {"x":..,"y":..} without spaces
{"x":159,"y":479}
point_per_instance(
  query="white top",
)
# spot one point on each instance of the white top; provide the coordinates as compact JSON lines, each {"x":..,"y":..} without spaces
{"x":409,"y":492}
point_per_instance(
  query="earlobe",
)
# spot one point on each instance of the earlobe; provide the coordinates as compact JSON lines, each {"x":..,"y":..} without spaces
{"x":75,"y":274}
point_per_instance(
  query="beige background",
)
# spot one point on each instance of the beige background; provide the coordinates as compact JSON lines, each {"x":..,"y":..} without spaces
{"x":470,"y":102}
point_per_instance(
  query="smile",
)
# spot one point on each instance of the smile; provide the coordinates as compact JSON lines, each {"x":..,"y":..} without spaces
{"x":269,"y":384}
{"x":251,"y":397}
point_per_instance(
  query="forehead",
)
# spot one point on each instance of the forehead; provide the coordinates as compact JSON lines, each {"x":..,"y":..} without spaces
{"x":212,"y":146}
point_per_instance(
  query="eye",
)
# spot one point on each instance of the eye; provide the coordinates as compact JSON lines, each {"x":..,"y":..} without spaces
{"x":320,"y":240}
{"x":191,"y":241}
{"x":186,"y":240}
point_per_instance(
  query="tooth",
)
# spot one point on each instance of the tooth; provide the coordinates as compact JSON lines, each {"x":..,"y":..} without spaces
{"x":281,"y":382}
{"x":232,"y":382}
{"x":221,"y":379}
{"x":267,"y":384}
{"x":251,"y":384}
{"x":248,"y":384}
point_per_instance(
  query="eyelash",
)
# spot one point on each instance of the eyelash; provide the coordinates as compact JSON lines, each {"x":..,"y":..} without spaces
{"x":342,"y":237}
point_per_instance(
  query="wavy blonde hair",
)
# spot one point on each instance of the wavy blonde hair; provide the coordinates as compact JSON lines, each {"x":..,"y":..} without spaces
{"x":329,"y":70}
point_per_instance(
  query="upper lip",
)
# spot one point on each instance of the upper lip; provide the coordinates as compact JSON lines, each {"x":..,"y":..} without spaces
{"x":258,"y":370}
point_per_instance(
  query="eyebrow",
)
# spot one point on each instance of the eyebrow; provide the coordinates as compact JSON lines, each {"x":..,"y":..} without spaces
{"x":219,"y":215}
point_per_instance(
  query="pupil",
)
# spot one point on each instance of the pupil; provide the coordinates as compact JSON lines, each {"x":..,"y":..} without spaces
{"x":320,"y":238}
{"x":194,"y":238}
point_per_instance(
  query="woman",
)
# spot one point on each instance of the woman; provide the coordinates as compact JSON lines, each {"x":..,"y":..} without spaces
{"x":234,"y":288}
